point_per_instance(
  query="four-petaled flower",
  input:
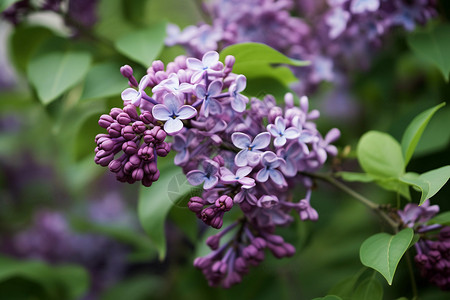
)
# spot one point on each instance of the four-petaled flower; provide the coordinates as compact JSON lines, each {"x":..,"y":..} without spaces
{"x":172,"y":85}
{"x":181,"y":145}
{"x":270,"y":162}
{"x":337,"y":20}
{"x":209,"y":60}
{"x":209,"y":103}
{"x":134,"y":96}
{"x":238,"y":101}
{"x":267,"y":201}
{"x":281,"y":134}
{"x":251,"y":150}
{"x":291,"y":155}
{"x":228,"y":177}
{"x":173,"y":111}
{"x":208,"y":176}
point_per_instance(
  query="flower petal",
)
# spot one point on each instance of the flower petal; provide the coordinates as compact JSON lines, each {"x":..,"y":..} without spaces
{"x":244,"y":171}
{"x":291,"y":133}
{"x":241,"y":140}
{"x":129,"y":94}
{"x":273,"y":130}
{"x":241,"y":158}
{"x":160,"y":112}
{"x":279,"y":141}
{"x":241,"y":83}
{"x":262,"y":175}
{"x":280,"y":124}
{"x":144,"y":82}
{"x":200,"y":91}
{"x":262,"y":140}
{"x":186,"y":112}
{"x":247,"y":181}
{"x":173,"y":126}
{"x":215,"y":88}
{"x":195,"y":177}
{"x":197,"y":76}
{"x":215,"y":107}
{"x":194,"y":64}
{"x":237,"y":104}
{"x":210,"y":182}
{"x":210,"y":59}
{"x":172,"y":102}
{"x":181,"y":157}
{"x":277,"y":177}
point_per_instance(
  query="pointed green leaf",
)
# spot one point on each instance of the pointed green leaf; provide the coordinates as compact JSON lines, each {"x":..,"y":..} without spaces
{"x":369,"y":289}
{"x":52,"y":73}
{"x":383,"y":251}
{"x":414,"y":131}
{"x":143,"y":45}
{"x":380,"y":155}
{"x":155,"y":203}
{"x":433,"y":45}
{"x":428,"y":183}
{"x":443,"y":219}
{"x":104,"y":80}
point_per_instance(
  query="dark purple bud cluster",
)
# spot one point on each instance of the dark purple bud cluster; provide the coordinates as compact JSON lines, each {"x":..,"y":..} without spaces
{"x":139,"y":140}
{"x":433,"y":252}
{"x":229,"y":262}
{"x":212,"y":215}
{"x":433,"y":259}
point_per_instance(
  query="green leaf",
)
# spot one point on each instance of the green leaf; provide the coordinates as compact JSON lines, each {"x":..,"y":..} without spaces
{"x":256,"y":60}
{"x":428,"y":183}
{"x":259,"y":53}
{"x":433,"y":45}
{"x":4,"y":4}
{"x":380,"y":155}
{"x":369,"y":289}
{"x":62,"y":282}
{"x":352,"y":176}
{"x":443,"y":219}
{"x":383,"y":251}
{"x":346,"y":287}
{"x":52,"y":73}
{"x":143,"y":45}
{"x":154,"y":205}
{"x":329,"y":297}
{"x":137,"y":288}
{"x":414,"y":131}
{"x":104,"y":80}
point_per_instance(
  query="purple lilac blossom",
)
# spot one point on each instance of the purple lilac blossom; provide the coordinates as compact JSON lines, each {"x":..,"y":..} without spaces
{"x":433,"y":246}
{"x":229,"y":151}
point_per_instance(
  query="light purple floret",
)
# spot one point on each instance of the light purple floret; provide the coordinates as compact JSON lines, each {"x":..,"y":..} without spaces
{"x":208,"y":177}
{"x":281,"y":134}
{"x":135,"y":96}
{"x":251,"y":150}
{"x":173,"y":111}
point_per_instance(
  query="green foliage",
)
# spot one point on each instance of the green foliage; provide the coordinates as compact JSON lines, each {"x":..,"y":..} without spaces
{"x":103,"y":80}
{"x":414,"y":131}
{"x":428,"y":183}
{"x":369,"y":289}
{"x":46,"y":282}
{"x":144,"y":45}
{"x":53,"y":73}
{"x":256,"y":60}
{"x":380,"y":155}
{"x":329,"y":297}
{"x":383,"y":251}
{"x":433,"y":45}
{"x":442,"y":218}
{"x":154,"y":205}
{"x":137,"y":288}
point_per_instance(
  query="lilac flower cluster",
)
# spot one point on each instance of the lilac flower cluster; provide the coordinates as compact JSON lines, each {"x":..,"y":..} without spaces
{"x":247,"y":153}
{"x":334,"y":35}
{"x":433,"y":249}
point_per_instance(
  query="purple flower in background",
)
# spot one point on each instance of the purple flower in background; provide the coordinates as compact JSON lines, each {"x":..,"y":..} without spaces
{"x":238,"y":101}
{"x":361,"y":6}
{"x":209,"y":60}
{"x":324,"y":146}
{"x":271,"y":162}
{"x":281,"y":134}
{"x":228,"y":177}
{"x":210,"y":104}
{"x":181,"y":145}
{"x":133,"y":96}
{"x":173,"y":111}
{"x":268,"y":201}
{"x":337,"y":21}
{"x":208,"y":176}
{"x":251,"y":150}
